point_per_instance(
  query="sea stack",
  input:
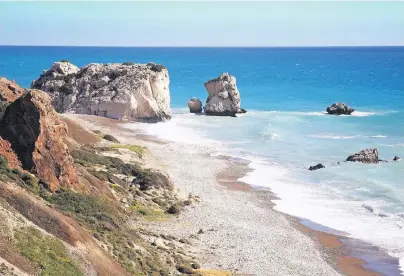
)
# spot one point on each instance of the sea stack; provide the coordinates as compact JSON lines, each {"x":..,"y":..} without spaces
{"x":195,"y":105}
{"x":123,"y":91}
{"x":369,"y":156}
{"x":339,"y":109}
{"x":224,"y":97}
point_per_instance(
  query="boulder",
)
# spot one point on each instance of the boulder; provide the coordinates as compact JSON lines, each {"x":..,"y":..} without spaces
{"x":396,"y":158}
{"x":10,"y":91}
{"x":224,"y":97}
{"x":195,"y":105}
{"x":316,"y":167}
{"x":138,"y":92}
{"x":36,"y":135}
{"x":370,"y":156}
{"x":339,"y":109}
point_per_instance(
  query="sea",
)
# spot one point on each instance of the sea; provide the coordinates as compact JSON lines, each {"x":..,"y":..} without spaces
{"x":286,"y":130}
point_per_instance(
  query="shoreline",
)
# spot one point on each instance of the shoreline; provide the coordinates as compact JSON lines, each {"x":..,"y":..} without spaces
{"x":335,"y":250}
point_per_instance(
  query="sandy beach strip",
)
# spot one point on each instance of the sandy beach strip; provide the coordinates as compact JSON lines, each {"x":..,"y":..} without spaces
{"x":234,"y":227}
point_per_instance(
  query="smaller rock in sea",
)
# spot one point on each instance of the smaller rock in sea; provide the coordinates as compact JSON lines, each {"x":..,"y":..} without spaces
{"x":339,"y":109}
{"x":195,"y":105}
{"x":316,"y":167}
{"x":396,"y":158}
{"x":369,"y":156}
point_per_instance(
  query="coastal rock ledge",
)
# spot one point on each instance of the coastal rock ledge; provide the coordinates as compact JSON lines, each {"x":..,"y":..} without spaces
{"x":339,"y":109}
{"x":369,"y":156}
{"x":224,"y":97}
{"x":127,"y":91}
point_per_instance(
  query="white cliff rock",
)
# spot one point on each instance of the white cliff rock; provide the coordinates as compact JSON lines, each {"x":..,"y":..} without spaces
{"x":224,"y":97}
{"x":138,"y":92}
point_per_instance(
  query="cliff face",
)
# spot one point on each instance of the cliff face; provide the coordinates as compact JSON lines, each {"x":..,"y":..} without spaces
{"x":9,"y":90}
{"x":138,"y":92}
{"x":36,"y":134}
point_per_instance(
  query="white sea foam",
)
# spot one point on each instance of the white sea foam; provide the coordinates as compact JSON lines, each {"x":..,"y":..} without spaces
{"x":323,"y":207}
{"x":325,"y":136}
{"x":378,"y":136}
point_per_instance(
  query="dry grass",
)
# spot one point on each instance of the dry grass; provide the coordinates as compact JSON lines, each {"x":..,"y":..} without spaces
{"x":213,"y":272}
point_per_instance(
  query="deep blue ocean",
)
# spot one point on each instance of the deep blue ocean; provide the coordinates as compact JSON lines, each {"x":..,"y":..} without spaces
{"x":286,"y":91}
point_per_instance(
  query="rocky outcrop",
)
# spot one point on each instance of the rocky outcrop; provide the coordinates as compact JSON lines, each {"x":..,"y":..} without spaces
{"x":370,"y":156}
{"x":9,"y":90}
{"x":128,"y":91}
{"x":339,"y":109}
{"x":316,"y":167}
{"x":224,"y":97}
{"x":36,"y":135}
{"x":7,"y":152}
{"x":195,"y":105}
{"x":396,"y":158}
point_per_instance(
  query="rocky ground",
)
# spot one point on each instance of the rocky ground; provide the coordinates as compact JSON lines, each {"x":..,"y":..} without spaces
{"x":81,"y":202}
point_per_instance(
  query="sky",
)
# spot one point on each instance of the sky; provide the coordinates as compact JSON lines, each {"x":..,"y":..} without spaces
{"x":194,"y":23}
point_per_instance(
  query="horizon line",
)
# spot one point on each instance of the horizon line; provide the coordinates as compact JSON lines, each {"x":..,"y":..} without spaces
{"x":162,"y":46}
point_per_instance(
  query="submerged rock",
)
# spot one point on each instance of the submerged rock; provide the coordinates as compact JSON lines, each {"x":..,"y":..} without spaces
{"x":316,"y":167}
{"x":36,"y":135}
{"x":127,"y":91}
{"x":370,"y":156}
{"x":224,"y":97}
{"x":195,"y":105}
{"x":339,"y":109}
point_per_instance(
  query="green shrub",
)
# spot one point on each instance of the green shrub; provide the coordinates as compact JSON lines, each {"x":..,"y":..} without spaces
{"x":174,"y":209}
{"x":64,"y":60}
{"x":24,"y":180}
{"x":139,"y":150}
{"x":98,"y":213}
{"x":46,"y":251}
{"x":128,"y":63}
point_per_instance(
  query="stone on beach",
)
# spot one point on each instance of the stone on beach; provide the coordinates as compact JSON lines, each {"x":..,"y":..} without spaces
{"x":195,"y":105}
{"x":370,"y":156}
{"x":339,"y":109}
{"x":138,"y":92}
{"x":224,"y":97}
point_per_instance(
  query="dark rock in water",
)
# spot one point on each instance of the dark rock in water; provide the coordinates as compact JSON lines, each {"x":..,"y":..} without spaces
{"x":195,"y":105}
{"x":225,"y":113}
{"x":369,"y":156}
{"x":339,"y":109}
{"x":396,"y":158}
{"x":316,"y":167}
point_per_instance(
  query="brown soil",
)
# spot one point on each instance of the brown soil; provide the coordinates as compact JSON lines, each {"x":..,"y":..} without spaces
{"x":11,"y":255}
{"x":79,"y":134}
{"x":62,"y":227}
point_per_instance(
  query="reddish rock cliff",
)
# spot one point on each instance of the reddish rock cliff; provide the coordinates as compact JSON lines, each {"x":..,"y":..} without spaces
{"x":7,"y":152}
{"x":36,"y":135}
{"x":9,"y":90}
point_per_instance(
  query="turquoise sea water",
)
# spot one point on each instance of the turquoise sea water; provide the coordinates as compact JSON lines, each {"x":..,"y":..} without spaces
{"x":286,"y":91}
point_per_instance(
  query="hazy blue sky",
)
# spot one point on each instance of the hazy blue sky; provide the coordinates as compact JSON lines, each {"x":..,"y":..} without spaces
{"x":202,"y":23}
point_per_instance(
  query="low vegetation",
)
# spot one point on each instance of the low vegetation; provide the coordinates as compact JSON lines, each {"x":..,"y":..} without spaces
{"x":47,"y":252}
{"x":24,"y":180}
{"x":107,"y":137}
{"x":139,"y":150}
